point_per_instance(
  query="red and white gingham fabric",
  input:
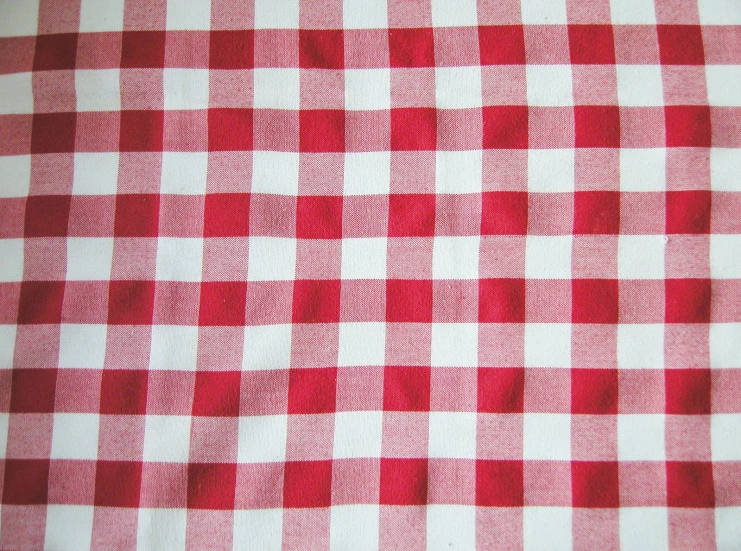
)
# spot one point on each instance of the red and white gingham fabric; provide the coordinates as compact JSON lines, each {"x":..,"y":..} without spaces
{"x":365,"y":275}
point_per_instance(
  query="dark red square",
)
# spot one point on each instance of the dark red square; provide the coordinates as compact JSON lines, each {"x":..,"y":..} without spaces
{"x":41,"y":302}
{"x":412,"y":47}
{"x":230,"y":129}
{"x":32,"y":390}
{"x":594,"y":391}
{"x":597,"y":212}
{"x":502,"y":44}
{"x":687,"y":125}
{"x":319,"y":217}
{"x":312,"y":390}
{"x":316,"y":301}
{"x":504,"y":213}
{"x":227,"y":215}
{"x":406,"y":388}
{"x":687,"y":300}
{"x":690,"y":484}
{"x":505,"y":127}
{"x":591,"y":44}
{"x":688,"y":391}
{"x":137,"y":215}
{"x":142,"y":130}
{"x":499,"y":483}
{"x":413,"y":129}
{"x":502,"y":300}
{"x":594,"y":301}
{"x":403,"y":481}
{"x":232,"y":49}
{"x":118,"y":483}
{"x":26,"y":481}
{"x":594,"y":484}
{"x":409,"y":300}
{"x":216,"y":394}
{"x":597,"y":125}
{"x":321,"y":49}
{"x":680,"y":45}
{"x":223,"y":303}
{"x":322,"y":130}
{"x":55,"y":52}
{"x":211,"y":486}
{"x":307,"y":484}
{"x":124,"y":392}
{"x":130,"y":302}
{"x":47,"y":215}
{"x":688,"y":212}
{"x":143,"y":50}
{"x":412,"y":215}
{"x":53,"y":133}
{"x":501,"y":390}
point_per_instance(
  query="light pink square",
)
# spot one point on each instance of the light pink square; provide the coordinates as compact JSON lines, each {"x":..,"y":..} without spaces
{"x":503,"y":85}
{"x":209,"y":529}
{"x":225,"y":259}
{"x":114,"y":528}
{"x":502,"y":344}
{"x":594,"y":437}
{"x":413,"y":87}
{"x":686,"y":345}
{"x":547,"y":483}
{"x":359,"y":389}
{"x":45,"y":259}
{"x":408,"y":344}
{"x":594,"y":346}
{"x":594,"y":256}
{"x":213,"y":439}
{"x":29,"y":436}
{"x":356,"y":480}
{"x":405,"y":434}
{"x":641,"y":391}
{"x":596,"y":528}
{"x":548,"y":300}
{"x":451,"y":481}
{"x":453,"y":389}
{"x":409,"y":258}
{"x":310,"y":437}
{"x":220,"y":348}
{"x":302,"y":525}
{"x":264,"y":392}
{"x":687,"y":256}
{"x":259,"y":486}
{"x":139,"y":172}
{"x":455,"y":301}
{"x":314,"y":344}
{"x":121,"y":437}
{"x":229,"y":171}
{"x":499,"y":436}
{"x":502,"y":256}
{"x":143,"y":250}
{"x":687,"y":438}
{"x":318,"y":258}
{"x":322,"y":88}
{"x":547,"y":390}
{"x":164,"y":485}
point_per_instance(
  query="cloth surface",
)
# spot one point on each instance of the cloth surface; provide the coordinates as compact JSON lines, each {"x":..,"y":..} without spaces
{"x":370,"y":275}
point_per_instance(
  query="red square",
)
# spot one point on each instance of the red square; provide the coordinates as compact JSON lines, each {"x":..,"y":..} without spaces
{"x":124,"y":392}
{"x":232,"y":49}
{"x":680,"y":45}
{"x":223,"y":303}
{"x":143,"y":50}
{"x":118,"y":483}
{"x":595,"y":484}
{"x":32,"y":390}
{"x":137,"y":215}
{"x":322,"y":130}
{"x":687,"y":300}
{"x":53,"y":133}
{"x":26,"y":481}
{"x":502,"y":301}
{"x":406,"y":388}
{"x":594,"y":391}
{"x":688,"y":212}
{"x":227,"y":215}
{"x":505,"y":127}
{"x":412,"y":47}
{"x":130,"y":302}
{"x":319,"y":217}
{"x":409,"y":300}
{"x":312,"y":390}
{"x":211,"y":486}
{"x":230,"y":129}
{"x":690,"y":484}
{"x":414,"y":129}
{"x":412,"y":215}
{"x":591,"y":44}
{"x":502,"y":45}
{"x":687,"y":125}
{"x":594,"y":301}
{"x":41,"y":302}
{"x":501,"y":390}
{"x":688,"y":391}
{"x":499,"y":483}
{"x":597,"y":125}
{"x":504,"y":213}
{"x":142,"y":130}
{"x":316,"y":301}
{"x":597,"y":212}
{"x":216,"y":393}
{"x":55,"y":52}
{"x":47,"y":215}
{"x":307,"y":484}
{"x":403,"y":481}
{"x":321,"y":49}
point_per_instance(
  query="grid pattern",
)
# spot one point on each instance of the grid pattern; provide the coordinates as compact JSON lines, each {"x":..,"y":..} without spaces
{"x":370,"y":275}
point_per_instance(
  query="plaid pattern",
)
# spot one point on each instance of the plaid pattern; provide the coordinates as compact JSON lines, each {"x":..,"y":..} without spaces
{"x":370,"y":275}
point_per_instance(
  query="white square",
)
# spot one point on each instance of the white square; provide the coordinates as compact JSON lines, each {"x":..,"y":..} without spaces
{"x":549,"y":85}
{"x":727,"y":528}
{"x":544,"y":12}
{"x":186,"y":88}
{"x":548,"y":257}
{"x":188,"y":15}
{"x":550,"y":170}
{"x":643,"y":169}
{"x":11,"y":263}
{"x":455,"y":257}
{"x":184,"y":173}
{"x":4,"y":422}
{"x":458,"y":87}
{"x":174,"y":347}
{"x":546,"y":436}
{"x":354,"y":527}
{"x":89,"y":258}
{"x":547,"y":345}
{"x":266,"y":347}
{"x":725,"y":436}
{"x":364,"y":14}
{"x":451,"y":527}
{"x":258,"y":529}
{"x":367,"y":173}
{"x":458,"y":171}
{"x":364,"y":258}
{"x":262,"y":439}
{"x":455,"y":344}
{"x":725,"y":345}
{"x":16,"y":94}
{"x":101,"y":15}
{"x":19,"y":17}
{"x":725,"y":256}
{"x":640,"y":346}
{"x":276,"y":88}
{"x":98,"y":90}
{"x":632,"y":12}
{"x":167,"y":438}
{"x":367,"y":89}
{"x":7,"y":346}
{"x":357,"y":434}
{"x":161,"y":529}
{"x":82,"y":346}
{"x":461,"y":13}
{"x":724,"y":82}
{"x":641,"y":256}
{"x":16,"y":171}
{"x":644,"y":528}
{"x":75,"y":436}
{"x":719,"y":12}
{"x":95,"y":174}
{"x":725,"y":168}
{"x":362,"y":344}
{"x":179,"y":258}
{"x":547,"y":528}
{"x":276,"y":14}
{"x":452,"y":434}
{"x":275,"y":172}
{"x":639,"y":85}
{"x":641,"y":437}
{"x":271,"y":259}
{"x":68,"y":527}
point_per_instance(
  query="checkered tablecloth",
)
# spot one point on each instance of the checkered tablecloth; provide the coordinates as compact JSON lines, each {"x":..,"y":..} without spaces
{"x":359,"y":275}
